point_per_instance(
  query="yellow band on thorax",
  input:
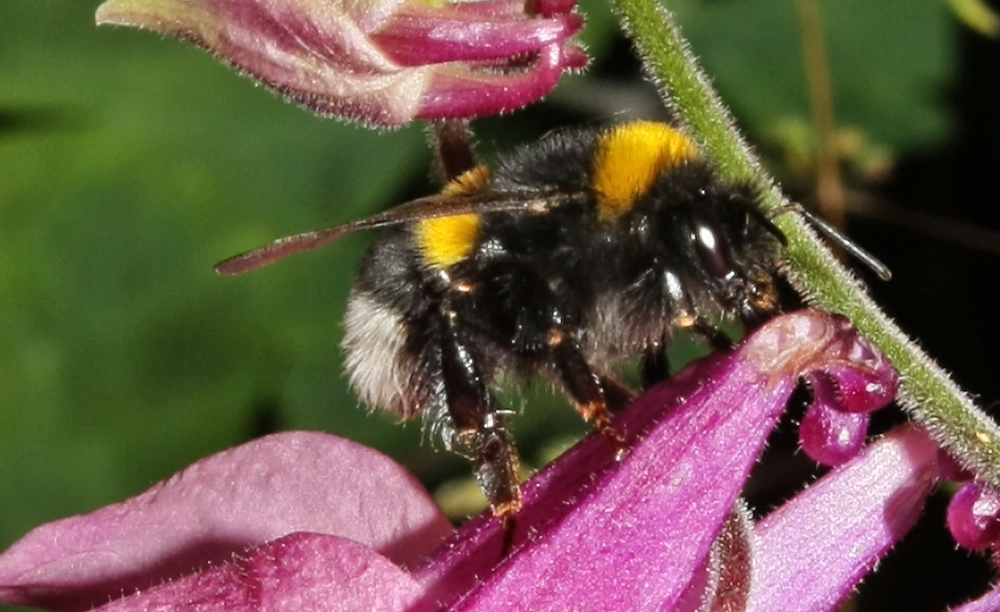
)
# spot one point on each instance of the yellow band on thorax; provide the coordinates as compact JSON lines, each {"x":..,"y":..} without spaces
{"x":628,"y":160}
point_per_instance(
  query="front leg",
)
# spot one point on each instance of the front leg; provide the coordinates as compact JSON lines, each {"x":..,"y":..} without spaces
{"x":654,"y":365}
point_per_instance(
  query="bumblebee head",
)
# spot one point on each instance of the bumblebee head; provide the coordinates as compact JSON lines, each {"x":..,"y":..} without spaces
{"x":713,"y":234}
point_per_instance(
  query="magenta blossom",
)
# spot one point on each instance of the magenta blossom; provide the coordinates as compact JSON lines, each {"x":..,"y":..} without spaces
{"x":305,"y":521}
{"x":383,"y":62}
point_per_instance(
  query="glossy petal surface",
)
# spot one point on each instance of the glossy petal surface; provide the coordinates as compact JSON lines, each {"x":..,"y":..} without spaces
{"x":974,"y":516}
{"x":640,"y":533}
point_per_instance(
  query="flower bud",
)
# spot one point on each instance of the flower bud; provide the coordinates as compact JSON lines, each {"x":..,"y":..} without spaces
{"x":381,"y":62}
{"x":974,"y":516}
{"x":832,"y":437}
{"x":858,"y":380}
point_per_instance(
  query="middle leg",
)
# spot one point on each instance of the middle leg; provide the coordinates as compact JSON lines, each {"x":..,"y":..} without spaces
{"x":585,"y":387}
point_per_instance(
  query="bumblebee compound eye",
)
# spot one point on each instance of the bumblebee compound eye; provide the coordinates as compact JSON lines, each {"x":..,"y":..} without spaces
{"x":711,"y":244}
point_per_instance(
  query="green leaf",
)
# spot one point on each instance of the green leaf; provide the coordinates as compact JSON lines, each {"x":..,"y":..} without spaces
{"x":889,"y":63}
{"x":131,"y":165}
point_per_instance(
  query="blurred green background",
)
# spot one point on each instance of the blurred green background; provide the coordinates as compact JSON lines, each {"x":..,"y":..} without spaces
{"x":130,"y":164}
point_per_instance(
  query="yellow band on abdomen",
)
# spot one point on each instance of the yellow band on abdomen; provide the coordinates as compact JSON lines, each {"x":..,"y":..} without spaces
{"x":445,"y":241}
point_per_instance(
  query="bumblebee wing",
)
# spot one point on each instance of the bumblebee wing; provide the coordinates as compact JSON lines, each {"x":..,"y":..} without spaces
{"x":423,"y":208}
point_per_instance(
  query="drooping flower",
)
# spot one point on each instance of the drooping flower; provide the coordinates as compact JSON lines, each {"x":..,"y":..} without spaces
{"x":338,"y":527}
{"x":383,"y":62}
{"x":974,"y":516}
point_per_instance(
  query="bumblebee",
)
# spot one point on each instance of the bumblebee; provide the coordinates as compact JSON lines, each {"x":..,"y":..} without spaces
{"x":561,"y":259}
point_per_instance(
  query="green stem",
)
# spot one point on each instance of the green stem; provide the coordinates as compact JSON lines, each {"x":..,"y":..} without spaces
{"x":927,"y":393}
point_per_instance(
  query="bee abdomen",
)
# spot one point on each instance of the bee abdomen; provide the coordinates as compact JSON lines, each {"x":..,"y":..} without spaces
{"x":374,"y":344}
{"x":387,"y":364}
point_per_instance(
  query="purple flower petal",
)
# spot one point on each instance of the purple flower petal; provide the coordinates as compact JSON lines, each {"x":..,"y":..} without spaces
{"x":416,"y":38}
{"x":319,"y":58}
{"x":223,"y":505}
{"x":375,"y":61}
{"x":863,"y":382}
{"x":974,"y":516}
{"x":834,"y":428}
{"x":990,"y":602}
{"x":831,"y":436}
{"x":813,"y":550}
{"x":595,"y":534}
{"x":458,"y":92}
{"x":298,"y":573}
{"x":849,"y":390}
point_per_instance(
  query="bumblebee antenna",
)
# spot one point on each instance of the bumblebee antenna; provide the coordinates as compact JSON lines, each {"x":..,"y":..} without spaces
{"x":832,"y":233}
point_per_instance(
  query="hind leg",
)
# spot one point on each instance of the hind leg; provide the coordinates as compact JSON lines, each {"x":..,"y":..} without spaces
{"x":480,"y":427}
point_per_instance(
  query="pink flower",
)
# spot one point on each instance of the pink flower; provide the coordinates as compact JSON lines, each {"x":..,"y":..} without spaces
{"x":317,"y":522}
{"x":383,"y":62}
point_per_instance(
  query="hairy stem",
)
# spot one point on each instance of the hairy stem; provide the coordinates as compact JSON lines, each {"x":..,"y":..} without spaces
{"x":927,"y":393}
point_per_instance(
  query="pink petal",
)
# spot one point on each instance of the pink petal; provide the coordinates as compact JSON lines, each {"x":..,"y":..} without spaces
{"x":314,"y":52}
{"x":832,"y":437}
{"x":373,"y":61}
{"x":457,"y":91}
{"x":415,"y":38}
{"x":990,"y":602}
{"x":595,"y":534}
{"x":223,"y":505}
{"x":303,"y":572}
{"x":853,"y":391}
{"x":811,"y":552}
{"x":974,"y":516}
{"x":592,"y":530}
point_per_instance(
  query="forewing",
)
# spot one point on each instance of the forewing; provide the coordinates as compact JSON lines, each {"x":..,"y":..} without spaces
{"x":435,"y":206}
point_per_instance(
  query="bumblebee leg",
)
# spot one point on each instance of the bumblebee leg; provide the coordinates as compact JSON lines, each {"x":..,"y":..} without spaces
{"x":711,"y":335}
{"x":541,"y":333}
{"x":617,"y":394}
{"x":654,"y":365}
{"x":480,"y":427}
{"x":584,"y":387}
